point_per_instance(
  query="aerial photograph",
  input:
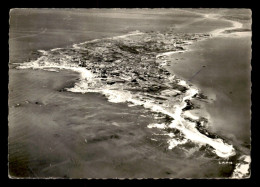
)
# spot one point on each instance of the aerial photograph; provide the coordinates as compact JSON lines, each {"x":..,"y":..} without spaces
{"x":129,"y":93}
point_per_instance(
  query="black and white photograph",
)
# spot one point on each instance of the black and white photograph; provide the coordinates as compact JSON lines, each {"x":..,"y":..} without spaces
{"x":129,"y":93}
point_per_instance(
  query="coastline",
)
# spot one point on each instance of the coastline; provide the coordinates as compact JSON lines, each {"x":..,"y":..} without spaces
{"x":196,"y":52}
{"x":202,"y":90}
{"x":92,"y":81}
{"x":42,"y":142}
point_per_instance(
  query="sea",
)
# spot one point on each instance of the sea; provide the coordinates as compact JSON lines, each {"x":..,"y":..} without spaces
{"x":199,"y":128}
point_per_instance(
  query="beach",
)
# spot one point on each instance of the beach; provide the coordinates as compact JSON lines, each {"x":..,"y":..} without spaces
{"x":56,"y":129}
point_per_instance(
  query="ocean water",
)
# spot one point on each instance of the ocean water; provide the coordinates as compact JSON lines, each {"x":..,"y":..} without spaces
{"x":178,"y":139}
{"x":225,"y":78}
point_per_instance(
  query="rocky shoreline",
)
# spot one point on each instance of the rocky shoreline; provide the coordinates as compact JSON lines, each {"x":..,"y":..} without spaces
{"x":131,"y":69}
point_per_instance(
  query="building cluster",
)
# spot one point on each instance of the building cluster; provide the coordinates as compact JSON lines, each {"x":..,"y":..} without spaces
{"x":131,"y":60}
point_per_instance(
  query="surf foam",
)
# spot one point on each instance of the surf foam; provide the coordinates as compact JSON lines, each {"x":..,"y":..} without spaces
{"x":242,"y":169}
{"x":89,"y":83}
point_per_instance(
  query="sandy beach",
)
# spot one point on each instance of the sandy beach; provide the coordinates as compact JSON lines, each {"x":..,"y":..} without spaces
{"x":56,"y":133}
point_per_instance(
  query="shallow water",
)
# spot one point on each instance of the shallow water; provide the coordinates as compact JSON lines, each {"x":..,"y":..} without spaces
{"x":226,"y":79}
{"x":188,"y":144}
{"x":99,"y":139}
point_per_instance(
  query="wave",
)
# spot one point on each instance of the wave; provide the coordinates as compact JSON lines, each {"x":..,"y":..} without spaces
{"x":242,"y":167}
{"x":163,"y":93}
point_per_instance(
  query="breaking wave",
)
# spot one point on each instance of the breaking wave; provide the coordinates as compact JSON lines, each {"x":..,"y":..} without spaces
{"x":123,"y":81}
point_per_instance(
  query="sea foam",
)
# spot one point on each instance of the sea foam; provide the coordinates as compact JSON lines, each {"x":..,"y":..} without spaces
{"x":88,"y":82}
